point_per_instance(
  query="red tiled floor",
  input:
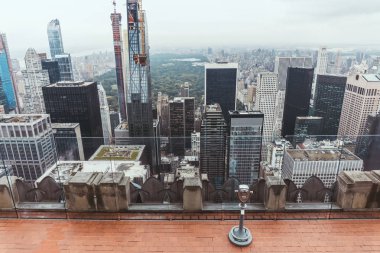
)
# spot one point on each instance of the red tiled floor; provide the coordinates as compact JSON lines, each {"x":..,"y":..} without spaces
{"x":187,"y":236}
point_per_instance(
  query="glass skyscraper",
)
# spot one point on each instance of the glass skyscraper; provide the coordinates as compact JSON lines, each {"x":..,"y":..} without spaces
{"x":297,"y":97}
{"x":139,"y":92}
{"x":55,"y":38}
{"x":7,"y":93}
{"x":220,"y":85}
{"x":244,"y":148}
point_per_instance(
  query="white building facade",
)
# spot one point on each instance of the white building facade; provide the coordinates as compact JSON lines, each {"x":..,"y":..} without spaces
{"x":299,"y":165}
{"x":35,"y":78}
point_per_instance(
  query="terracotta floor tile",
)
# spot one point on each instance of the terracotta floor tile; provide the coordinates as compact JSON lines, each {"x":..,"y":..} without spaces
{"x":187,"y":236}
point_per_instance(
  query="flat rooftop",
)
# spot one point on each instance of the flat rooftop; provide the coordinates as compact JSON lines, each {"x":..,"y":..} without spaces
{"x":221,"y":65}
{"x":119,"y":152}
{"x":301,"y":236}
{"x":371,"y":77}
{"x":20,"y":118}
{"x":64,"y":125}
{"x":64,"y":170}
{"x":321,"y":155}
{"x":70,"y":84}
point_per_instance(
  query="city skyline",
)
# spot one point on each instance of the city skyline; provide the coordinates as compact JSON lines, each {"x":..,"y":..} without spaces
{"x":319,"y":23}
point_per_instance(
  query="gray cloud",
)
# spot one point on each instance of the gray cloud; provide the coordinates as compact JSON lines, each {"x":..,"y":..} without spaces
{"x":197,"y":23}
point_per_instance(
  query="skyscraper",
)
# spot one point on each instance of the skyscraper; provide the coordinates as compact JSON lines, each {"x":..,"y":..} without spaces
{"x":163,"y":112}
{"x":328,"y":102}
{"x":213,"y":145}
{"x":65,"y":67}
{"x":68,"y":140}
{"x":220,"y":85}
{"x":118,"y":50}
{"x":139,"y":93}
{"x":244,"y":145}
{"x":55,"y":38}
{"x":361,"y":98}
{"x":7,"y":81}
{"x":266,"y":93}
{"x":307,"y":126}
{"x":297,"y":97}
{"x":368,"y":147}
{"x":181,"y":124}
{"x":185,"y":90}
{"x":57,"y":52}
{"x":76,"y":102}
{"x":27,"y":144}
{"x":283,"y":63}
{"x":53,"y":70}
{"x":105,"y":115}
{"x":35,"y":78}
{"x":321,"y":68}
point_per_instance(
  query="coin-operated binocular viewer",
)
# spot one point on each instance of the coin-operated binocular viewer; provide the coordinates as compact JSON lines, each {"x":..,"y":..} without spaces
{"x":240,"y":235}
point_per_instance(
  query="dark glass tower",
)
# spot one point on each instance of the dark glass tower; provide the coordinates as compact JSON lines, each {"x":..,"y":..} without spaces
{"x":368,"y":145}
{"x":297,"y":97}
{"x":139,"y":93}
{"x":307,"y":127}
{"x":181,"y":111}
{"x":76,"y":102}
{"x":220,"y":86}
{"x":213,"y":145}
{"x":328,"y":102}
{"x":53,"y":69}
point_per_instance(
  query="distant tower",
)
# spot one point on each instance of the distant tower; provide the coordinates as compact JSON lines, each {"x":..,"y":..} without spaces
{"x":139,"y":95}
{"x":118,"y":49}
{"x":297,"y":97}
{"x":283,"y":63}
{"x":53,"y":69}
{"x":163,"y":113}
{"x":185,"y":90}
{"x":57,"y":52}
{"x":328,"y":102}
{"x":266,"y":93}
{"x":35,"y":78}
{"x":321,"y":68}
{"x":7,"y":86}
{"x":55,"y":38}
{"x":105,"y":115}
{"x":220,"y":85}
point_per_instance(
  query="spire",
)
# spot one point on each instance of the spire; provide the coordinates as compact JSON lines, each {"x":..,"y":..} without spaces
{"x":114,"y":6}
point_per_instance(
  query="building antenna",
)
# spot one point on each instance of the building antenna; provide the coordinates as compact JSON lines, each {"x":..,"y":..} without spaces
{"x":114,"y":6}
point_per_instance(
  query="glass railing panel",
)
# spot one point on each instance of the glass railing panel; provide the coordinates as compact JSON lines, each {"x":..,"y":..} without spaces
{"x":83,"y":178}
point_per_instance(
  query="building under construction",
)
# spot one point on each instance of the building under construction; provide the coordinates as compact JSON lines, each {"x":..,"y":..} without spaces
{"x":118,"y":49}
{"x":139,"y":98}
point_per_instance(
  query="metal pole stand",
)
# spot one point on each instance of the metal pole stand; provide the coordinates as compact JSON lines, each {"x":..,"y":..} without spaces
{"x":240,"y":235}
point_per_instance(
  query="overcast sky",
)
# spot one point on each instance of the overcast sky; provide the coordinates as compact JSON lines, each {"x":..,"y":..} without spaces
{"x":86,"y":24}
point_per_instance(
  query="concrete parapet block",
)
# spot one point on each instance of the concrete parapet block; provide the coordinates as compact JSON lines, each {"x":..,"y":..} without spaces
{"x":8,"y":192}
{"x":374,"y":196}
{"x":192,"y":194}
{"x":354,"y":188}
{"x":79,"y":191}
{"x":274,"y":193}
{"x":112,"y":192}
